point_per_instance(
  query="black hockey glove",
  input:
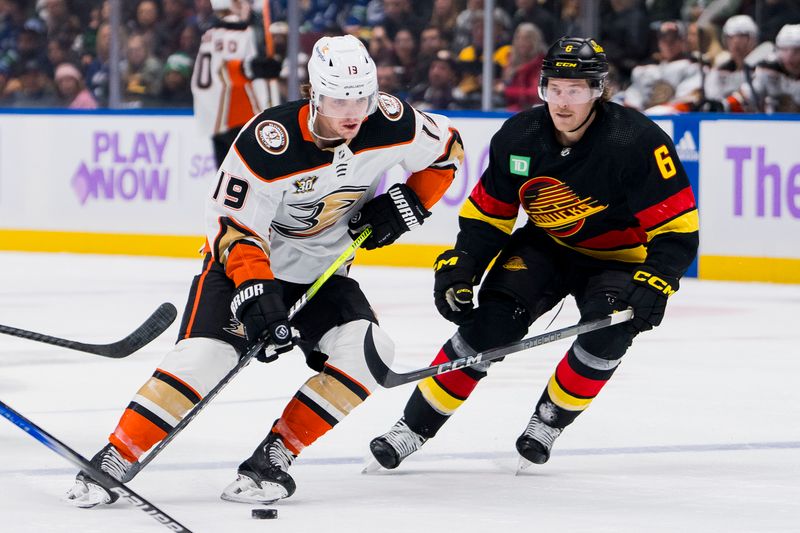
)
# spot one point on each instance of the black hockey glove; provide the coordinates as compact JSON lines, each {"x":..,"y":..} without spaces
{"x":390,"y":215}
{"x":452,"y":285}
{"x":258,"y":305}
{"x":647,"y":294}
{"x":261,"y":67}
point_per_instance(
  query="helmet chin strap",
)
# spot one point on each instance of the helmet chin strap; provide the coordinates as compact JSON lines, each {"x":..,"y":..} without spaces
{"x":582,"y":124}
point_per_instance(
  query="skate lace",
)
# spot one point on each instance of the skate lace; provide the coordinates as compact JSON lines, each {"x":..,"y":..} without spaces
{"x":403,"y":439}
{"x":279,"y":455}
{"x":541,"y":432}
{"x":113,"y":464}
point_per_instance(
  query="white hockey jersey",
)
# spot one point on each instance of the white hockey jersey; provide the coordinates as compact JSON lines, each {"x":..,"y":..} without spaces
{"x":223,"y":96}
{"x":281,"y":205}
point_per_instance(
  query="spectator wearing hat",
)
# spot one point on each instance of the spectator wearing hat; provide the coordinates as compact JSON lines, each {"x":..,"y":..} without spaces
{"x":32,"y":87}
{"x":437,"y":92}
{"x":176,"y":90}
{"x":674,"y":81}
{"x":71,"y":89}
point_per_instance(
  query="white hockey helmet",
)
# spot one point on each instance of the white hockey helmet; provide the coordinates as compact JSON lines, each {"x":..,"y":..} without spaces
{"x":341,"y":68}
{"x":219,"y":5}
{"x":740,"y":25}
{"x":788,"y":37}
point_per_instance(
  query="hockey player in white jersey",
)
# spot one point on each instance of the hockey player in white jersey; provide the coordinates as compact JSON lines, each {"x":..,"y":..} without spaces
{"x":228,"y":85}
{"x":281,"y":210}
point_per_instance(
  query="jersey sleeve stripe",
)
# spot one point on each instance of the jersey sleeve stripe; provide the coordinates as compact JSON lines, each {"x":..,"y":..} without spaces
{"x":678,"y":203}
{"x":430,"y":184}
{"x":454,"y":150}
{"x":615,"y":238}
{"x":247,"y":261}
{"x":471,"y":211}
{"x":685,"y":223}
{"x":634,"y":254}
{"x":490,"y":205}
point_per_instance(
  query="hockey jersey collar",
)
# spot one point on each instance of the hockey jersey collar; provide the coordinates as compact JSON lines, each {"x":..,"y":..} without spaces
{"x":586,"y":142}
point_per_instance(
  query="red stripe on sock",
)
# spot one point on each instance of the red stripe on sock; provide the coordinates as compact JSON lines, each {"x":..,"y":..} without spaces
{"x":575,"y":384}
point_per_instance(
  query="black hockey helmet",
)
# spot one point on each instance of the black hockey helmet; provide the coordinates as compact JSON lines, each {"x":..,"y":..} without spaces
{"x":575,"y":57}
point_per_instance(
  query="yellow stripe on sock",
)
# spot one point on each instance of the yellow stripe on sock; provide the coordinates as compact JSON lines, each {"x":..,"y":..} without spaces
{"x":437,"y":397}
{"x":564,"y":399}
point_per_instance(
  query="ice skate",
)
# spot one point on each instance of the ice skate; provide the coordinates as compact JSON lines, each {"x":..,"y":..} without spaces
{"x":263,"y":478}
{"x":86,"y":492}
{"x":392,"y":447}
{"x":536,"y":441}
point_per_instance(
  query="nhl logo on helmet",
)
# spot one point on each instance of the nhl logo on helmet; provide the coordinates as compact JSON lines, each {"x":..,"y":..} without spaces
{"x":272,"y":137}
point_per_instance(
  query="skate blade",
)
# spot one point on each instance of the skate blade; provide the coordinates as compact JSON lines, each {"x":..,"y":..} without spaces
{"x":372,"y":467}
{"x":245,"y":490}
{"x":522,"y":465}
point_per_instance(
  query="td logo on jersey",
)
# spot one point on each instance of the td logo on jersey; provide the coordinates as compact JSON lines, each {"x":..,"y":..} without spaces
{"x":519,"y":165}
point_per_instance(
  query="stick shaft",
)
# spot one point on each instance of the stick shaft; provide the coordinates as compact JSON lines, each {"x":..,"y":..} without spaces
{"x":388,"y":378}
{"x":98,"y":475}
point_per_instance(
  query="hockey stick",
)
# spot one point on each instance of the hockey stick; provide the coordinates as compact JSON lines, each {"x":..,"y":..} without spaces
{"x":246,"y":358}
{"x":151,"y":328}
{"x":106,"y":481}
{"x":387,"y":378}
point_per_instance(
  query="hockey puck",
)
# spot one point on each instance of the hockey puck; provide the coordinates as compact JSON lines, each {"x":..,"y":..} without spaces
{"x":264,"y":513}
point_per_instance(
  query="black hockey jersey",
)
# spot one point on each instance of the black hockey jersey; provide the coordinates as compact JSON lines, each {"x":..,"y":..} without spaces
{"x":620,"y":194}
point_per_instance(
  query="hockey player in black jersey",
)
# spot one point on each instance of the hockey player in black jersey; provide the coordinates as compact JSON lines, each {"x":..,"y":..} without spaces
{"x":611,"y":221}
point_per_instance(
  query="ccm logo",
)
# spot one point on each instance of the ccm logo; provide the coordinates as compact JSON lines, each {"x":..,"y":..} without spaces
{"x":566,"y":64}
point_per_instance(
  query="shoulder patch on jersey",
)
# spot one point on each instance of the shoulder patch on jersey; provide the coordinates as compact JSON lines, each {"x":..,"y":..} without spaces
{"x":390,"y":106}
{"x":272,"y":137}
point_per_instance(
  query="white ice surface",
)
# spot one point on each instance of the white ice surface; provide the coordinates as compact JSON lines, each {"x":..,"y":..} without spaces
{"x":697,"y":432}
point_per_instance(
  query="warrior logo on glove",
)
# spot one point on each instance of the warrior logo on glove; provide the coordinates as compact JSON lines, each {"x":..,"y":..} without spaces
{"x":389,"y":215}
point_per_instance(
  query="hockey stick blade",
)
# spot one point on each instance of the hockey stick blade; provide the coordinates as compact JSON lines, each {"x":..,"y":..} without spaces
{"x":151,"y":328}
{"x":246,"y":358}
{"x":103,"y":479}
{"x":388,"y":378}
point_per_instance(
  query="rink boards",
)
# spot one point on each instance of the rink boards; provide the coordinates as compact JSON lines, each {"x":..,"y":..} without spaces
{"x":135,"y":183}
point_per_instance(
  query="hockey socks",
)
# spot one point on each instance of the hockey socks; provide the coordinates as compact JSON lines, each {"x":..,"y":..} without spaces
{"x":156,"y":408}
{"x":578,"y":378}
{"x":437,"y":397}
{"x":321,"y":403}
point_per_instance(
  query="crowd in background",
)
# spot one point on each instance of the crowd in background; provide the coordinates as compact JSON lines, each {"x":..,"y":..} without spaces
{"x":667,"y":56}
